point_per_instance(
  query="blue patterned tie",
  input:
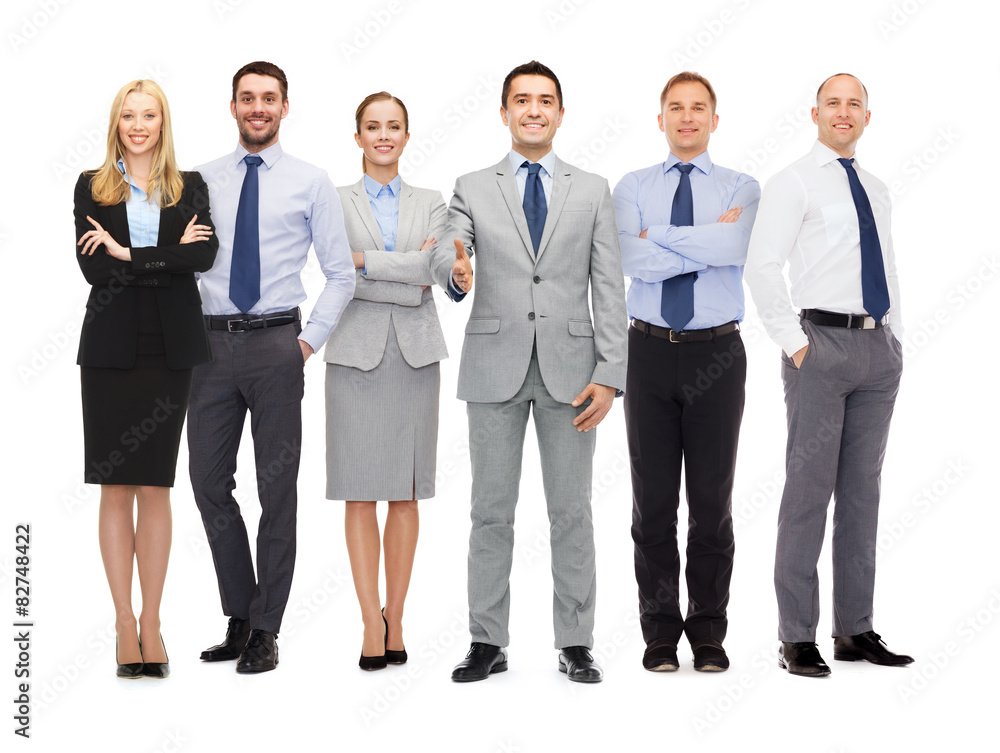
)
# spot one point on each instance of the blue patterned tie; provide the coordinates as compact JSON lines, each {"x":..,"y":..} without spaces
{"x":874,"y":291}
{"x":677,"y":294}
{"x":534,"y":205}
{"x":244,"y":274}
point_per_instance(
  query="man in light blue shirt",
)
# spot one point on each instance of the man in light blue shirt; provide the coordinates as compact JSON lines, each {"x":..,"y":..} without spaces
{"x":272,"y":208}
{"x":684,"y":226}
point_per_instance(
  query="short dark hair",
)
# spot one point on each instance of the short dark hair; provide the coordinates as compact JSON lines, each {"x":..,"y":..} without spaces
{"x":534,"y":68}
{"x":262,"y":68}
{"x":835,"y":76}
{"x":684,"y":76}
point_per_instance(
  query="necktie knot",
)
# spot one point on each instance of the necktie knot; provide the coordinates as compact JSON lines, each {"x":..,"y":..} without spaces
{"x":684,"y":168}
{"x":533,"y":167}
{"x":846,"y":162}
{"x":253,"y":160}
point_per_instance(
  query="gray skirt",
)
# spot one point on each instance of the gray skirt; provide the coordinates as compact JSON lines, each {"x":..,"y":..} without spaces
{"x":381,"y":429}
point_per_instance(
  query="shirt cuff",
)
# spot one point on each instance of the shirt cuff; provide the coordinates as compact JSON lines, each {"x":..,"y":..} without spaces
{"x":455,"y":294}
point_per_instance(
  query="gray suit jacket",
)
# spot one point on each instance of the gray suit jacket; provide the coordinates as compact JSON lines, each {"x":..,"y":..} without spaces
{"x":391,"y":287}
{"x":520,"y":300}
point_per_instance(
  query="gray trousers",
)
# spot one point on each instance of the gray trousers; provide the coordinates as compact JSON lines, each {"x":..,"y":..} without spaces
{"x":496,"y":440}
{"x":260,"y":371}
{"x":839,"y":404}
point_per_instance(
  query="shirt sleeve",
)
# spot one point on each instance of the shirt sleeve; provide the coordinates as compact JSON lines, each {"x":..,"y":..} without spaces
{"x":329,"y":237}
{"x":779,"y":218}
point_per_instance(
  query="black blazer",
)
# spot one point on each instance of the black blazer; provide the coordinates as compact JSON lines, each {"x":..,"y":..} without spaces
{"x":110,"y":327}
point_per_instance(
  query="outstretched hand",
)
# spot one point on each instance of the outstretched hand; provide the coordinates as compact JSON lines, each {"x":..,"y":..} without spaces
{"x":461,"y":270}
{"x":602,"y":398}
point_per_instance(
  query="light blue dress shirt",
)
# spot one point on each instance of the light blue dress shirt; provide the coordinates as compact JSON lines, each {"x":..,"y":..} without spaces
{"x":384,"y":201}
{"x":143,"y":215}
{"x":548,"y":163}
{"x":299,"y":208}
{"x":715,"y":250}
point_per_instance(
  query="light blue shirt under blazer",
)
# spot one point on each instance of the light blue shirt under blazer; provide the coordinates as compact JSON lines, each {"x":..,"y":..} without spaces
{"x":548,"y":163}
{"x":716,"y":251}
{"x":299,"y":208}
{"x":384,"y":201}
{"x":143,"y":215}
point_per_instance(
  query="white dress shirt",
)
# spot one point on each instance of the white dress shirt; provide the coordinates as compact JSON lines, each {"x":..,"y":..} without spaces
{"x":807,"y":218}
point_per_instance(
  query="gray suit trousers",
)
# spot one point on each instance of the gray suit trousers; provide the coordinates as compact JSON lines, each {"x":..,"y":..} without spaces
{"x":496,"y":439}
{"x":839,"y":404}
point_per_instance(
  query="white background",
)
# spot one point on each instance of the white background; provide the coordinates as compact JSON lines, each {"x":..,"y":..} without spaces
{"x":930,"y":69}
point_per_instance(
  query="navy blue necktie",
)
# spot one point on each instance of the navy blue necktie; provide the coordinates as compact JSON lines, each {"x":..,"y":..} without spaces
{"x":677,"y":294}
{"x":534,"y":205}
{"x":244,"y":274}
{"x":874,"y":291}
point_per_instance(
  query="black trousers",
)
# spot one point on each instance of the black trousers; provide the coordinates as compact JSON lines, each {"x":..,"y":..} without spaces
{"x":260,"y":371}
{"x":683,"y":401}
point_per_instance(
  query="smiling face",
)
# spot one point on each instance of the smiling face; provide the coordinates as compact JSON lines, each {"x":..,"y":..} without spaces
{"x":383,"y":133}
{"x":841,"y":113}
{"x":687,"y":119}
{"x":532,"y":113}
{"x":259,"y":110}
{"x":139,"y":125}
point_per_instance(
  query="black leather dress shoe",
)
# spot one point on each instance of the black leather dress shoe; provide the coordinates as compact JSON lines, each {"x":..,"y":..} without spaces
{"x":158,"y":670}
{"x":482,"y":661}
{"x":660,"y":656}
{"x":130,"y":671}
{"x":802,"y":659}
{"x":260,"y":654}
{"x":579,"y":665}
{"x":710,"y":656}
{"x":236,"y":639}
{"x":867,"y":647}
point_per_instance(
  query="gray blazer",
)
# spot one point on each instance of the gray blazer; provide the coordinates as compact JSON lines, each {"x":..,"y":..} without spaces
{"x":520,"y":300}
{"x":391,"y":287}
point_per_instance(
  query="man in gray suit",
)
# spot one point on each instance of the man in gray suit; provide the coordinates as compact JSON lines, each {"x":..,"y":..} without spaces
{"x":544,"y":237}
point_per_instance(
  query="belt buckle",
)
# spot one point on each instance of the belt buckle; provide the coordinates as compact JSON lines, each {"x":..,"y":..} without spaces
{"x":670,"y":336}
{"x":868,"y":322}
{"x":231,"y":322}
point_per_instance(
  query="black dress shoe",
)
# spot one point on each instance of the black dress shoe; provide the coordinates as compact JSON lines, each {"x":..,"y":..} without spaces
{"x":236,"y":639}
{"x":391,"y":656}
{"x":660,"y":656}
{"x":159,"y":670}
{"x":710,"y":656}
{"x":867,"y":647}
{"x":802,"y":659}
{"x":482,"y":661}
{"x":578,"y":664}
{"x":260,"y":654}
{"x":130,"y":671}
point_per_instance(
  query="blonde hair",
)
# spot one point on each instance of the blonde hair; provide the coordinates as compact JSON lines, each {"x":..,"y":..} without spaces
{"x":360,"y":112}
{"x":108,"y":186}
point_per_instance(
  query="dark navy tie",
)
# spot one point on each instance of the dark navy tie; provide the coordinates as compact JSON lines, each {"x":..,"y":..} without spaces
{"x":534,"y":205}
{"x":677,"y":294}
{"x":874,"y":291}
{"x":244,"y":274}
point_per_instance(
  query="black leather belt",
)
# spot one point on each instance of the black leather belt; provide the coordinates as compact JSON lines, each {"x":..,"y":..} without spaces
{"x":829,"y":319}
{"x":685,"y":335}
{"x":244,"y":323}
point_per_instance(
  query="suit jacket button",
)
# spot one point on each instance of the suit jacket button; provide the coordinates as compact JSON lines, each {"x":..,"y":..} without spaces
{"x":531,"y":315}
{"x":536,"y":279}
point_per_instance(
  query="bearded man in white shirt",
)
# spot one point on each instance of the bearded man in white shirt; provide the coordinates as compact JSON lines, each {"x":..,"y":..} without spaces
{"x":829,"y":219}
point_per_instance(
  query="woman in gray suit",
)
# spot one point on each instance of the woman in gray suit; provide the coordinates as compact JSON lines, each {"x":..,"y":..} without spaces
{"x":382,"y":374}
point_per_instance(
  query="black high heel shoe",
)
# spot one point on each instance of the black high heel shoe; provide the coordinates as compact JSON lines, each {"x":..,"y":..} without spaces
{"x":392,"y":657}
{"x":159,"y":670}
{"x":371,"y":663}
{"x":130,"y":671}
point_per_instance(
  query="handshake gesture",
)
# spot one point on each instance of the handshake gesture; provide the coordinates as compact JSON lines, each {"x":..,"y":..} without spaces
{"x":461,"y":270}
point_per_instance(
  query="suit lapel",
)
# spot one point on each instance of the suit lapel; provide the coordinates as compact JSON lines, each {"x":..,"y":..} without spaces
{"x":560,"y":190}
{"x":362,"y":204}
{"x":404,"y":224}
{"x":508,"y":187}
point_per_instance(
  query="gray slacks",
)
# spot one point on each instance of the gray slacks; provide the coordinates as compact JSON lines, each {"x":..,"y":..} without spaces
{"x":260,"y":371}
{"x":496,"y":439}
{"x":839,"y":404}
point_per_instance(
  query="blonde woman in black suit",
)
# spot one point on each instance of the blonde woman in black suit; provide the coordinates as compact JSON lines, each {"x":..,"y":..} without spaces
{"x":143,"y":230}
{"x":382,"y":374}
